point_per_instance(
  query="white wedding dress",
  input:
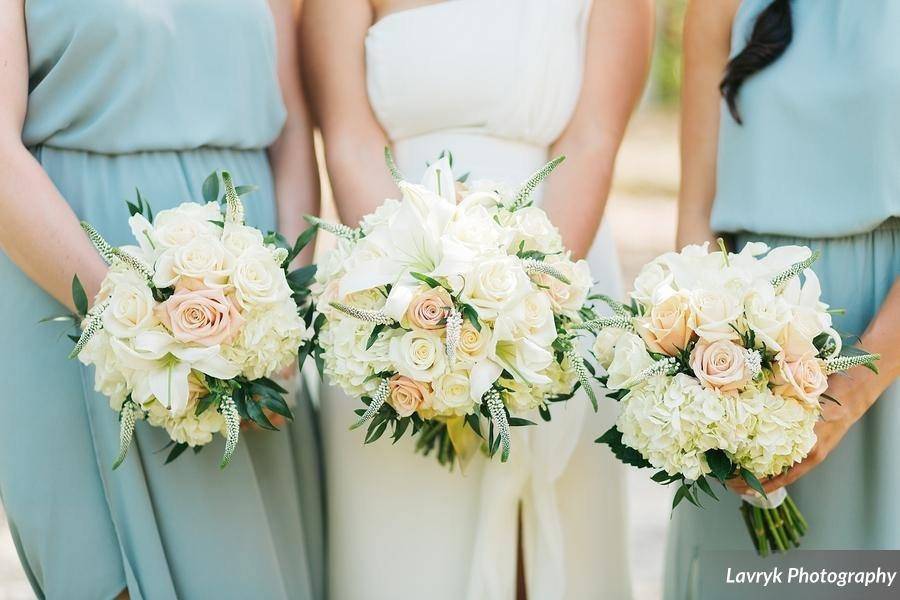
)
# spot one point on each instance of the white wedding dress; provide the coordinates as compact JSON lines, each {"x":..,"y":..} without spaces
{"x":495,"y":82}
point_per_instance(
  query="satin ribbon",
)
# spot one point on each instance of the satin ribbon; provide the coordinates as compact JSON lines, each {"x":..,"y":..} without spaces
{"x":539,"y":457}
{"x":466,"y":443}
{"x":770,"y":501}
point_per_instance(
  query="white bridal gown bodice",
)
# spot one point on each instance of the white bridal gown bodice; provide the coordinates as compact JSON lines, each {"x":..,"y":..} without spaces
{"x":495,"y":82}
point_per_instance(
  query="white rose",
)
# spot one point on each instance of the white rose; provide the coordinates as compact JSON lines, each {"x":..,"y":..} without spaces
{"x":131,"y":304}
{"x":766,"y":313}
{"x":605,"y":345}
{"x":715,"y":313}
{"x":202,"y":261}
{"x":531,"y":317}
{"x":451,"y":394}
{"x":532,"y":226}
{"x":567,"y":298}
{"x":474,"y":228}
{"x":495,"y":284}
{"x":630,"y":357}
{"x":419,"y":355}
{"x":258,"y":279}
{"x":331,"y":266}
{"x":178,"y":226}
{"x":653,"y":277}
{"x":237,"y":239}
{"x":382,"y":215}
{"x":809,"y":314}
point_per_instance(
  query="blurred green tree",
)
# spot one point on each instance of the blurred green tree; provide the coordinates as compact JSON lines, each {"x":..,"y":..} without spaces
{"x":665,"y":74}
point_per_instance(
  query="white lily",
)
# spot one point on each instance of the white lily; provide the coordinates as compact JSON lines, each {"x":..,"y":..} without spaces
{"x":167,"y":364}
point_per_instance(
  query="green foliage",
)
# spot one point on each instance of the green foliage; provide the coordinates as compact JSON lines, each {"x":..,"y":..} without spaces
{"x":139,"y":206}
{"x":429,"y":281}
{"x":626,"y":454}
{"x":210,"y":188}
{"x":752,"y":481}
{"x":719,"y":464}
{"x":79,"y":297}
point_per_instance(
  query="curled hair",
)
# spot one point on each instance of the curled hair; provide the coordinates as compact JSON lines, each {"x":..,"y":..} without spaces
{"x":771,"y":35}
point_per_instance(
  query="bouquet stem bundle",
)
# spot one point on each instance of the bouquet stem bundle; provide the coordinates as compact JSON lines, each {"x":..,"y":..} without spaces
{"x":774,"y":530}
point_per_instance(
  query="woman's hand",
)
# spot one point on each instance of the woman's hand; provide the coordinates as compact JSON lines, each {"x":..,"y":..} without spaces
{"x":830,"y":430}
{"x":856,"y":391}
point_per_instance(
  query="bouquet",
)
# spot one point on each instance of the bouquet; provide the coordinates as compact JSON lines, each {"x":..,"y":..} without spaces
{"x":452,"y":303}
{"x":191,"y":324}
{"x":720,"y":364}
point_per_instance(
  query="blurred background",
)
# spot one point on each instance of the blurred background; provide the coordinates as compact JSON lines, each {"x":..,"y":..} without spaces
{"x":642,"y":211}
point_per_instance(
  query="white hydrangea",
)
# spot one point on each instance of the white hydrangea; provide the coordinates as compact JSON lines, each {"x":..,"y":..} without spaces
{"x":781,"y":432}
{"x":186,"y":427}
{"x":672,"y":423}
{"x":347,"y":361}
{"x":111,"y":378}
{"x":268,"y":340}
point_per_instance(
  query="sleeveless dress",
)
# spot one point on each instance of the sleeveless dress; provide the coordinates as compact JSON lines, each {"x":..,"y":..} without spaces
{"x":154,"y":94}
{"x":494,"y":82}
{"x":815,"y":163}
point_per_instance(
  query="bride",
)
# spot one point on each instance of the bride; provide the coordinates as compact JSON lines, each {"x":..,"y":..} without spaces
{"x":502,"y":85}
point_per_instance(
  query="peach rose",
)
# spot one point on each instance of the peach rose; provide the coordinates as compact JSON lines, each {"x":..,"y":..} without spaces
{"x":667,"y":328}
{"x":803,"y":379}
{"x":205,"y":317}
{"x":406,"y":395}
{"x":428,"y":310}
{"x":721,"y":365}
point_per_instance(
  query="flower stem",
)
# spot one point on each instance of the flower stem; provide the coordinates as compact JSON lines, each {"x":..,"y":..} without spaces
{"x":802,"y":526}
{"x":774,"y":529}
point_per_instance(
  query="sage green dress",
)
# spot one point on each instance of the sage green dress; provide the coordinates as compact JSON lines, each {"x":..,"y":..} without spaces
{"x":154,"y":94}
{"x":816,"y":163}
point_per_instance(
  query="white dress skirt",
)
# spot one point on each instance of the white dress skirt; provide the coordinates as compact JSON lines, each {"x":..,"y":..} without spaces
{"x":494,"y":82}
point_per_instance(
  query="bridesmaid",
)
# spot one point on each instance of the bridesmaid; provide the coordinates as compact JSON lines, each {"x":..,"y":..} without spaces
{"x":100,"y":96}
{"x":804,"y":150}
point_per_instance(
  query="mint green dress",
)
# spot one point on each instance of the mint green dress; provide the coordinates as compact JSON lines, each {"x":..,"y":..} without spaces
{"x":153,"y":94}
{"x":815,"y":163}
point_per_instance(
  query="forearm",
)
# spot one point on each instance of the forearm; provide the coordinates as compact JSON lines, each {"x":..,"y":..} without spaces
{"x":359,"y":178}
{"x":577,"y":192}
{"x":296,"y":178}
{"x":39,"y":231}
{"x":882,"y":336}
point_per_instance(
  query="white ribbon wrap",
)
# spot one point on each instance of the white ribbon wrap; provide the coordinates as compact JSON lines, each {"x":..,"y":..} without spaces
{"x":770,"y":501}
